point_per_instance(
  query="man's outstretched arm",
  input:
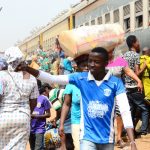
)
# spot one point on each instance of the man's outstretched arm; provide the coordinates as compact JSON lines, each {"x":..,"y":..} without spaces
{"x":45,"y":77}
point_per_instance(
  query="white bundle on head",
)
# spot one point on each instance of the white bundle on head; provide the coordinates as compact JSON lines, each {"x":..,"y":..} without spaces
{"x":14,"y":57}
{"x":82,"y":40}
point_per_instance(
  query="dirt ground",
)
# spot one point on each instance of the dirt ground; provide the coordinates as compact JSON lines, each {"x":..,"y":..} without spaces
{"x":143,"y":143}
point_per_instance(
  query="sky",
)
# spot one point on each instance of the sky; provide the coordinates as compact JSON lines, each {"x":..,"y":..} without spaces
{"x":19,"y":17}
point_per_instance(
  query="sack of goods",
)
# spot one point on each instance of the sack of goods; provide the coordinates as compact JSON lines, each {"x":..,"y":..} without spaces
{"x":82,"y":40}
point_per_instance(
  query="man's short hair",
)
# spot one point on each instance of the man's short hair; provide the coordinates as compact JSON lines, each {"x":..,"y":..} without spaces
{"x":131,"y":39}
{"x":102,"y":51}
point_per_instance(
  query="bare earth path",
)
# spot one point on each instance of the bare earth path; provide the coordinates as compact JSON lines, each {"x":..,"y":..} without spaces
{"x":143,"y":143}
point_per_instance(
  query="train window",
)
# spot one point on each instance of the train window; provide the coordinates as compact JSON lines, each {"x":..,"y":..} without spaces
{"x":99,"y":20}
{"x":126,"y":10}
{"x":93,"y":22}
{"x":138,"y":6}
{"x":126,"y":14}
{"x":138,"y":13}
{"x":116,"y":16}
{"x":87,"y":24}
{"x":107,"y":18}
{"x":127,"y":24}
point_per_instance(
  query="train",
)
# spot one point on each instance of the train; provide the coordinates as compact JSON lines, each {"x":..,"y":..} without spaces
{"x":133,"y":15}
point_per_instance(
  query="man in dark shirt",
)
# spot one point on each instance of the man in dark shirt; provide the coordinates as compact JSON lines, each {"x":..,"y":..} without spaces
{"x":136,"y":98}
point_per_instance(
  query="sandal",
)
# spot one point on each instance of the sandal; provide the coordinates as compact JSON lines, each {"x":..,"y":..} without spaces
{"x":121,"y":144}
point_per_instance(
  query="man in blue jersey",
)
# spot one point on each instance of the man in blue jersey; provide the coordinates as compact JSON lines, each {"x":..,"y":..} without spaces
{"x":98,"y":89}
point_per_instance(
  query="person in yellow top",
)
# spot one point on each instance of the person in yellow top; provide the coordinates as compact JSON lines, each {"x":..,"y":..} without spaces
{"x":145,"y":60}
{"x":34,"y":63}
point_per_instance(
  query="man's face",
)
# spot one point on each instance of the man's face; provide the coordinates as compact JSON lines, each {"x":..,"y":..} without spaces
{"x":96,"y":63}
{"x":136,"y":45}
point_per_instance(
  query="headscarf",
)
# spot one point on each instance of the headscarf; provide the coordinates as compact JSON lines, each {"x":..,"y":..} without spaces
{"x":14,"y":57}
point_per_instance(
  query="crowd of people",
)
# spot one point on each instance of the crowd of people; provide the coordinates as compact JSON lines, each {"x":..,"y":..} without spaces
{"x":71,"y":104}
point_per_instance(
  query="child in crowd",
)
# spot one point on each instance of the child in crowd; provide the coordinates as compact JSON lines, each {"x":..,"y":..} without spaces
{"x":38,"y":121}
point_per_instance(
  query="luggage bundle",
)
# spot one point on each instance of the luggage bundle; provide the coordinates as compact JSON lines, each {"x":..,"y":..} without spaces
{"x":82,"y":40}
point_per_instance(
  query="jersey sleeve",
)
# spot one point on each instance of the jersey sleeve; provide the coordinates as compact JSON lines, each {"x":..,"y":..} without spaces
{"x":73,"y":79}
{"x":122,"y":102}
{"x":120,"y":88}
{"x":57,"y":79}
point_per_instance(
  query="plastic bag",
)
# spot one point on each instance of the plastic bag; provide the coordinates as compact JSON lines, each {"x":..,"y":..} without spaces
{"x":82,"y":40}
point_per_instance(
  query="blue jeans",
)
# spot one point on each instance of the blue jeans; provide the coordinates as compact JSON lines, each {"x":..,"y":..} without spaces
{"x":36,"y":141}
{"x":87,"y":145}
{"x":136,"y":101}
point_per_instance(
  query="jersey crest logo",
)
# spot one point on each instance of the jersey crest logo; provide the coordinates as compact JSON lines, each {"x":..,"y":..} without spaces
{"x":107,"y":92}
{"x":96,"y":109}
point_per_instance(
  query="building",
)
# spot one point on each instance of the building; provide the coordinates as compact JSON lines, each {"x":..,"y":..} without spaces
{"x":133,"y":15}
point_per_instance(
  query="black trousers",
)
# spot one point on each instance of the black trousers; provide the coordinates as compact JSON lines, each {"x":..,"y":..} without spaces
{"x":36,"y":141}
{"x":136,"y":101}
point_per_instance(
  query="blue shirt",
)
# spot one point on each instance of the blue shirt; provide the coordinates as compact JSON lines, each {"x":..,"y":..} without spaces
{"x":75,"y":107}
{"x":97,"y":106}
{"x":38,"y":125}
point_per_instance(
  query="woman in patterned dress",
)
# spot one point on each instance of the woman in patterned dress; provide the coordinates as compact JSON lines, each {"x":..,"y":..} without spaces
{"x":18,"y":92}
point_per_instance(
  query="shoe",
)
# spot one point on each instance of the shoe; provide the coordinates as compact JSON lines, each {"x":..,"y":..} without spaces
{"x":143,"y":133}
{"x":121,"y":144}
{"x":140,"y":133}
